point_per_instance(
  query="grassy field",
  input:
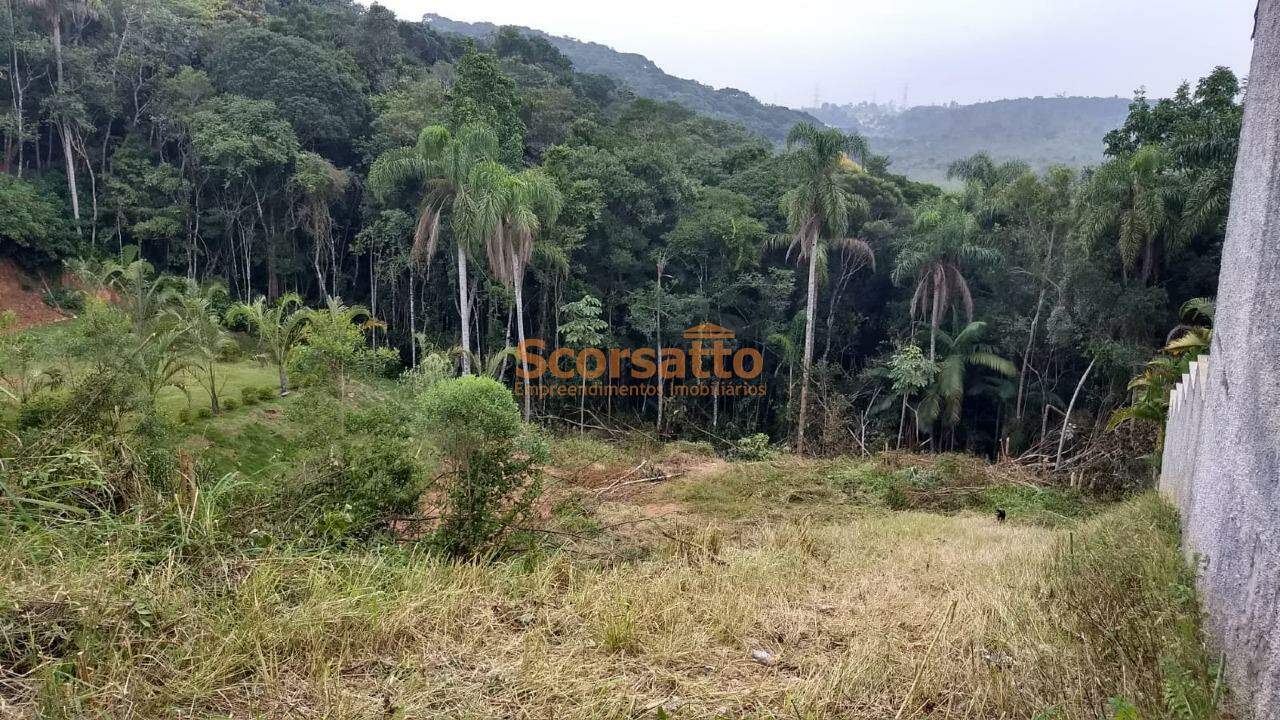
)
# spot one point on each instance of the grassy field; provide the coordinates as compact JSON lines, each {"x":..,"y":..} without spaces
{"x":657,"y":580}
{"x":651,"y":602}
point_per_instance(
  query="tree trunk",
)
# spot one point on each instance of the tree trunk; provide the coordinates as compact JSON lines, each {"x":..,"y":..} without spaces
{"x":1026,"y":356}
{"x":658,"y":337}
{"x":62,"y":125}
{"x":807,"y":360}
{"x":413,"y":325}
{"x":213,"y":391}
{"x":1066,"y":418}
{"x":464,"y":310}
{"x":284,"y":380}
{"x":518,"y":279}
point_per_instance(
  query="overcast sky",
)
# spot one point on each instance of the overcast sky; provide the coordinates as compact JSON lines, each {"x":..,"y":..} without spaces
{"x":783,"y":51}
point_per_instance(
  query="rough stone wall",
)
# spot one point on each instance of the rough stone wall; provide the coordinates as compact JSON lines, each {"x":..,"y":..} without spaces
{"x":1223,"y":438}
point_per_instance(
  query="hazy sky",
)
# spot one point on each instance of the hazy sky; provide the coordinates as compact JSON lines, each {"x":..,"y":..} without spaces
{"x":965,"y":50}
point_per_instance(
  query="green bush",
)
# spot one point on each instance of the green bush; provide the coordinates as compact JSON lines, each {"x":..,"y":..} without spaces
{"x":41,"y":409}
{"x":184,"y":415}
{"x":359,"y":486}
{"x":490,"y":481}
{"x":204,"y":413}
{"x":229,"y":404}
{"x":230,"y":352}
{"x":470,"y":415}
{"x":752,"y":448}
{"x":266,"y":393}
{"x":249,"y":395}
{"x":67,"y":299}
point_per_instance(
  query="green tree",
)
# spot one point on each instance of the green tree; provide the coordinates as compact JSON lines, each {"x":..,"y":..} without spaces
{"x":584,"y":329}
{"x":32,"y":226}
{"x":817,"y":207}
{"x":943,"y":243}
{"x":438,"y":168}
{"x":311,"y":88}
{"x":483,"y":95}
{"x":505,"y":212}
{"x":315,"y":186}
{"x":335,"y":348}
{"x":53,"y":12}
{"x":1128,"y":201}
{"x":490,"y":475}
{"x":280,"y":328}
{"x":944,"y":398}
{"x":909,"y":372}
{"x":206,"y":338}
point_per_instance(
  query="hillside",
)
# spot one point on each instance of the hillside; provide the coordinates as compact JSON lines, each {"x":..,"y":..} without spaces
{"x":1041,"y":131}
{"x":646,"y":79}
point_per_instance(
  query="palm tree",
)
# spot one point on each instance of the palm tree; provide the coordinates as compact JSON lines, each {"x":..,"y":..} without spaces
{"x":440,"y":164}
{"x":504,"y":212}
{"x":280,"y":328}
{"x":161,"y":360}
{"x":143,"y":296}
{"x":53,"y":11}
{"x":945,"y":397}
{"x":335,"y":338}
{"x":206,"y":338}
{"x":1129,"y":199}
{"x":943,"y":241}
{"x":816,"y":207}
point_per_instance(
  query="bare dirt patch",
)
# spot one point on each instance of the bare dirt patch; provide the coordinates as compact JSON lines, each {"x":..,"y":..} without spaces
{"x":22,"y":294}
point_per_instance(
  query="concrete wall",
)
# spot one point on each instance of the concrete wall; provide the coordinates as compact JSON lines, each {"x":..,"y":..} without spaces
{"x":1223,"y":436}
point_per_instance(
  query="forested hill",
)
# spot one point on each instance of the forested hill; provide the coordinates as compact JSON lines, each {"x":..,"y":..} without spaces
{"x":646,"y":79}
{"x":1041,"y":131}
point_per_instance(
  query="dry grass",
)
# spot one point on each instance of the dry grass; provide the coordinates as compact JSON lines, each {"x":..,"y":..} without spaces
{"x":108,"y":622}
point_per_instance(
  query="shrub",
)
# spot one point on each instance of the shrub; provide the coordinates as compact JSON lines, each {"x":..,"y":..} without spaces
{"x":184,"y":415}
{"x":752,"y":448}
{"x":204,"y":413}
{"x":67,"y":299}
{"x":266,"y":393}
{"x":229,"y":404}
{"x":230,"y":352}
{"x":249,"y":395}
{"x":41,"y":409}
{"x":358,"y":486}
{"x":490,"y":482}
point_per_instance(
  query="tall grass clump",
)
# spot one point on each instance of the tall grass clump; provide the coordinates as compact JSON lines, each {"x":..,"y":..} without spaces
{"x":1119,"y":623}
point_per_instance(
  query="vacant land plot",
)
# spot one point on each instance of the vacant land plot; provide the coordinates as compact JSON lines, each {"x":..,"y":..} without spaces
{"x":727,"y":590}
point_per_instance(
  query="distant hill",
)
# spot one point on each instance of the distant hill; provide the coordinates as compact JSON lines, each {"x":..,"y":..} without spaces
{"x":921,"y":141}
{"x":646,"y":79}
{"x":1042,"y":131}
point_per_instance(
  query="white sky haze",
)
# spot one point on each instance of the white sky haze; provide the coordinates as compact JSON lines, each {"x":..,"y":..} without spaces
{"x":942,"y":50}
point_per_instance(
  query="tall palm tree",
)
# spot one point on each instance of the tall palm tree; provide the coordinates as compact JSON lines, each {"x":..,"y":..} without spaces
{"x":817,"y":207}
{"x":53,"y":12}
{"x":942,"y":243}
{"x":1129,"y":199}
{"x":280,"y":328}
{"x":440,"y":166}
{"x":504,"y":212}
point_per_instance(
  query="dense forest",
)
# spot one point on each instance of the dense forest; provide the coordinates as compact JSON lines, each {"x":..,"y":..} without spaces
{"x":467,"y":192}
{"x":643,"y":77}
